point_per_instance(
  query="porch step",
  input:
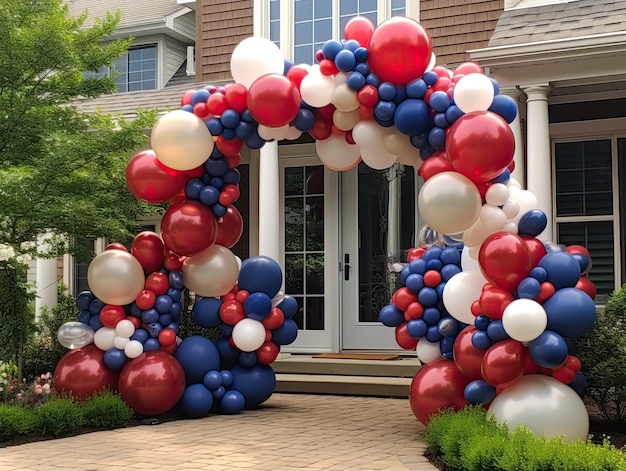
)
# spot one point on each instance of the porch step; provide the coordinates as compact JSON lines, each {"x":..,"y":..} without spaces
{"x":306,"y":374}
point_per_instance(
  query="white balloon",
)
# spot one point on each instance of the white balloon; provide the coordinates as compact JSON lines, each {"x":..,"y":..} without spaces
{"x":75,"y":335}
{"x":133,"y":349}
{"x":513,"y":183}
{"x":526,"y":200}
{"x":336,"y":154}
{"x":474,"y":92}
{"x":546,"y":406}
{"x":317,"y":89}
{"x":181,"y":140}
{"x":428,"y":352}
{"x":492,"y":218}
{"x":524,"y":320}
{"x":120,"y":342}
{"x":377,"y":157}
{"x":346,"y":120}
{"x":475,"y":235}
{"x":340,"y":78}
{"x":411,"y":158}
{"x":344,"y":98}
{"x":497,"y":194}
{"x":468,"y":262}
{"x":510,"y":209}
{"x":293,"y":134}
{"x":269,"y":133}
{"x":248,"y":335}
{"x":212,"y":272}
{"x":104,"y":338}
{"x":124,"y":328}
{"x":510,"y":227}
{"x":460,"y":292}
{"x":115,"y":277}
{"x":254,"y":57}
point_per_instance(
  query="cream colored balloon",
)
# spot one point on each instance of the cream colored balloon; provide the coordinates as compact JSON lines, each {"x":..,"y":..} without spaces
{"x":346,"y":120}
{"x":397,"y":143}
{"x":115,"y":277}
{"x":254,"y":57}
{"x":317,"y":89}
{"x":336,"y":154}
{"x":412,"y":158}
{"x":211,"y":273}
{"x":449,"y":203}
{"x":181,"y":140}
{"x":344,"y":98}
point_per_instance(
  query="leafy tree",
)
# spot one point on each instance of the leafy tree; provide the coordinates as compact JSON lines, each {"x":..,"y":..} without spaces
{"x":62,"y":171}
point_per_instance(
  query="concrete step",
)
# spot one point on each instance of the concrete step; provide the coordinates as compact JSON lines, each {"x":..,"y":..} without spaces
{"x":339,"y":384}
{"x":403,"y":367}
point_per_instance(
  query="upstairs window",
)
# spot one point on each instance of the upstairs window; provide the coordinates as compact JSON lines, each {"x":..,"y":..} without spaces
{"x":136,"y":70}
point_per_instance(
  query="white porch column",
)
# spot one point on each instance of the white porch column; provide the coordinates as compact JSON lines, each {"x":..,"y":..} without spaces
{"x":269,"y":202}
{"x":46,"y":279}
{"x":539,"y":162}
{"x":519,"y":173}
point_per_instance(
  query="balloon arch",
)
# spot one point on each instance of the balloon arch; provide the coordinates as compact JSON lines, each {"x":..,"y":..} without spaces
{"x":487,"y":306}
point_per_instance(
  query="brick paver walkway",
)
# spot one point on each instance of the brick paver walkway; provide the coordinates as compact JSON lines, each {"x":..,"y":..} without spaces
{"x":289,"y":432}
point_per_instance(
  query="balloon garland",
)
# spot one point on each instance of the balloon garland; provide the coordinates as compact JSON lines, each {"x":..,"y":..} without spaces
{"x":488,"y":310}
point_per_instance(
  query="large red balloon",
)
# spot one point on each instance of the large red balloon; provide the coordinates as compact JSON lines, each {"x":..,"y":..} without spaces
{"x":480,"y":145}
{"x":273,"y":100}
{"x":152,"y":383}
{"x":399,"y":50}
{"x":150,"y":180}
{"x":82,"y":372}
{"x":147,"y":247}
{"x":504,"y":259}
{"x":536,"y":248}
{"x":360,"y":29}
{"x":188,"y":227}
{"x":436,"y":386}
{"x":503,"y":363}
{"x":229,"y":228}
{"x":468,"y":358}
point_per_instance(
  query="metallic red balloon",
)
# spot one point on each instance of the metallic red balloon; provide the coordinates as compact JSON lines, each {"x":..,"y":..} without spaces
{"x":229,"y":228}
{"x":147,"y":247}
{"x":273,"y":100}
{"x":152,"y":383}
{"x":436,"y":386}
{"x":504,"y":259}
{"x":359,"y":28}
{"x":404,"y":339}
{"x":503,"y":363}
{"x":188,"y":227}
{"x":151,"y":181}
{"x":82,"y":372}
{"x":468,"y":358}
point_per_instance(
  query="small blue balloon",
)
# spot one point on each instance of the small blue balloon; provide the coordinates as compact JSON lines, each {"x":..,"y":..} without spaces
{"x":345,"y":60}
{"x":479,"y":392}
{"x":174,"y":326}
{"x":232,"y":402}
{"x":176,"y":279}
{"x":449,"y":270}
{"x":446,"y":344}
{"x":216,"y":167}
{"x":247,"y":359}
{"x":562,"y":269}
{"x":206,"y":312}
{"x":360,"y":54}
{"x":304,"y":120}
{"x":532,"y":223}
{"x":439,"y":101}
{"x":95,"y":306}
{"x":84,"y":299}
{"x":94,"y":323}
{"x":216,"y":182}
{"x":246,"y":117}
{"x":481,"y":340}
{"x":427,"y":297}
{"x":219,"y":393}
{"x":356,"y":81}
{"x":175,"y":311}
{"x":187,"y":108}
{"x":165,"y":319}
{"x":215,"y":127}
{"x":174,"y":294}
{"x":228,"y":354}
{"x":351,"y":45}
{"x":391,"y":316}
{"x":431,"y":316}
{"x":135,"y":310}
{"x":372,"y":79}
{"x":415,"y":282}
{"x":244,"y":130}
{"x":412,"y":117}
{"x":384,"y":110}
{"x":549,"y":350}
{"x":539,"y":274}
{"x":257,"y":306}
{"x":433,"y":253}
{"x":504,"y":177}
{"x":229,"y":119}
{"x":448,"y":326}
{"x":496,"y":331}
{"x":453,"y":113}
{"x":416,"y":88}
{"x":440,"y":120}
{"x":114,"y":358}
{"x":199,"y":96}
{"x":434,"y":264}
{"x":437,"y":138}
{"x":529,"y":288}
{"x":155,"y":329}
{"x":386,"y":91}
{"x":287,"y":64}
{"x":482,"y":322}
{"x":417,"y":328}
{"x":84,"y":317}
{"x":504,"y":106}
{"x":227,"y":378}
{"x":404,"y":274}
{"x":255,"y":141}
{"x":149,"y":316}
{"x":400,"y":95}
{"x":331,"y":48}
{"x":212,"y":380}
{"x":418,"y":266}
{"x":433,"y":335}
{"x":289,"y":306}
{"x":151,"y":345}
{"x":286,"y":333}
{"x":362,"y":68}
{"x":140,"y":335}
{"x":196,"y":402}
{"x":218,"y":210}
{"x":430,"y":78}
{"x":163,"y":304}
{"x":579,"y":384}
{"x":233,"y":176}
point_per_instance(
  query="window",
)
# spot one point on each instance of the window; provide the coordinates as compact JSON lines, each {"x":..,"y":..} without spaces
{"x":585,"y":212}
{"x":275,"y":21}
{"x":136,"y":70}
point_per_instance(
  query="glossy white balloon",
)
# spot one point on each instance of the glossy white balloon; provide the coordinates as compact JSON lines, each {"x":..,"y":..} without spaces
{"x":428,"y":352}
{"x":115,"y":277}
{"x":75,"y":335}
{"x":460,"y":292}
{"x":124,"y":328}
{"x":492,"y":218}
{"x":254,"y":57}
{"x":104,"y":338}
{"x":248,"y":335}
{"x":524,"y":319}
{"x":474,"y":92}
{"x":336,"y":154}
{"x":133,"y":349}
{"x":120,"y":342}
{"x":317,"y":89}
{"x":497,"y":194}
{"x":212,"y":272}
{"x":546,"y":406}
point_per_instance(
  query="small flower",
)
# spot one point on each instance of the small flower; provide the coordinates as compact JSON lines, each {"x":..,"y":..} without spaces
{"x":46,"y":388}
{"x":38,"y":389}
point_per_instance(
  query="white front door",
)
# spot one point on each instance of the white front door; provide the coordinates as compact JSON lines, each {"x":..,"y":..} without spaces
{"x":377,"y":227}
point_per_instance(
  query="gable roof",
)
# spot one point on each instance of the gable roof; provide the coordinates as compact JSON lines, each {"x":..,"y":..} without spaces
{"x":559,"y":21}
{"x":133,"y":12}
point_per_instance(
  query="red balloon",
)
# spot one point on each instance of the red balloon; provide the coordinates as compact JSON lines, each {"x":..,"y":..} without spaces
{"x":274,"y":319}
{"x":503,"y":363}
{"x":493,"y":301}
{"x":151,"y":181}
{"x":360,"y":29}
{"x":110,"y":315}
{"x":321,"y":129}
{"x":436,"y":386}
{"x":468,"y":358}
{"x":296,"y":74}
{"x":480,"y":145}
{"x":414,"y":253}
{"x":217,"y":104}
{"x":504,"y":259}
{"x":368,"y":96}
{"x":147,"y":248}
{"x":167,"y":337}
{"x":201,"y":110}
{"x":228,"y":147}
{"x":536,"y":248}
{"x":188,"y":227}
{"x":82,"y":372}
{"x":328,"y":67}
{"x":229,"y":194}
{"x":236,"y":96}
{"x":267,"y":353}
{"x":116,"y":246}
{"x":232,"y":312}
{"x":399,"y":50}
{"x":241,"y":295}
{"x":586,"y":285}
{"x":404,"y":339}
{"x":195,"y":172}
{"x":434,"y":165}
{"x":468,"y":68}
{"x":135,"y":321}
{"x":546,"y":290}
{"x":414,"y":311}
{"x":152,"y":383}
{"x":157,"y":282}
{"x":273,"y":100}
{"x":233,"y":160}
{"x":403,"y":297}
{"x":187,"y":98}
{"x":229,"y":228}
{"x":172,"y":262}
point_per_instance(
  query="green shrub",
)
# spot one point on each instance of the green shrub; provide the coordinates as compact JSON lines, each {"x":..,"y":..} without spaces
{"x":470,"y":441}
{"x":59,"y":416}
{"x":602,"y":352}
{"x":16,"y":420}
{"x":106,"y":410}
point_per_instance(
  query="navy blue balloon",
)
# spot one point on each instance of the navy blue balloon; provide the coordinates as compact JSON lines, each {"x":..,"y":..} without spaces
{"x":216,"y":154}
{"x":84,"y":317}
{"x":431,"y":316}
{"x":539,"y":274}
{"x":187,"y":108}
{"x":226,"y":330}
{"x":453,"y":113}
{"x":227,"y":378}
{"x":479,"y":392}
{"x":197,"y":355}
{"x":439,"y":101}
{"x":496,"y":331}
{"x":244,"y":130}
{"x":154,"y":329}
{"x":481,"y":340}
{"x":404,"y":274}
{"x":331,"y":48}
{"x":199,"y":96}
{"x":386,"y":91}
{"x":95,"y":306}
{"x":229,"y":355}
{"x":255,"y":141}
{"x":549,"y":350}
{"x":417,"y":328}
{"x":304,"y":120}
{"x":216,"y":167}
{"x":400,"y":95}
{"x":426,"y":151}
{"x":260,"y":273}
{"x":247,"y":359}
{"x":256,"y":384}
{"x":584,"y":262}
{"x":433,"y":335}
{"x":286,"y":333}
{"x":196,"y":402}
{"x":114,"y":358}
{"x":246,"y":117}
{"x":233,"y":176}
{"x":418,"y":266}
{"x":219,"y":393}
{"x":450,"y":255}
{"x":434,"y":264}
{"x":415,"y":282}
{"x":230,"y":119}
{"x":174,"y":326}
{"x":427,"y":296}
{"x":356,"y":81}
{"x":504,"y":106}
{"x":579,"y":384}
{"x":206,"y":312}
{"x":419,"y":141}
{"x":416,"y":88}
{"x":175,"y":311}
{"x":176,"y":279}
{"x":151,"y":345}
{"x":229,"y":134}
{"x":215,"y":127}
{"x":482,"y":322}
{"x":437,"y":138}
{"x":362,"y":68}
{"x":496,"y":87}
{"x":140,"y":335}
{"x":440,"y":120}
{"x":174,"y":294}
{"x":360,"y":53}
{"x":218,"y":210}
{"x":149,"y":316}
{"x":345,"y":60}
{"x":84,"y":299}
{"x":165,"y":319}
{"x":232,"y":402}
{"x":135,"y":310}
{"x":571,"y":312}
{"x":532,"y":223}
{"x":351,"y":45}
{"x":433,"y":253}
{"x":289,"y":306}
{"x":412,"y":117}
{"x":504,"y":177}
{"x":529,"y":288}
{"x":448,"y":326}
{"x":430,"y":77}
{"x":391,"y":316}
{"x":287,"y":64}
{"x":385,"y":110}
{"x":216,"y":182}
{"x":205,"y":179}
{"x":163,"y":304}
{"x":372,"y":79}
{"x":440,"y":287}
{"x":446,"y":344}
{"x":212,"y":380}
{"x":209,"y":195}
{"x":448,"y":271}
{"x":257,"y":306}
{"x":562,"y":269}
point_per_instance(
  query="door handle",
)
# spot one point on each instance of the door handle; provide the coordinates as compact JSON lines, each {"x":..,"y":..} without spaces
{"x":346,"y":267}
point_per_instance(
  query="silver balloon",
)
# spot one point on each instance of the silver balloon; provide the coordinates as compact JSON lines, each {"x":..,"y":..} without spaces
{"x":75,"y":335}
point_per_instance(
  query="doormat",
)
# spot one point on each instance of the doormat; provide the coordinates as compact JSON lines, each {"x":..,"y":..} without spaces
{"x":356,"y":356}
